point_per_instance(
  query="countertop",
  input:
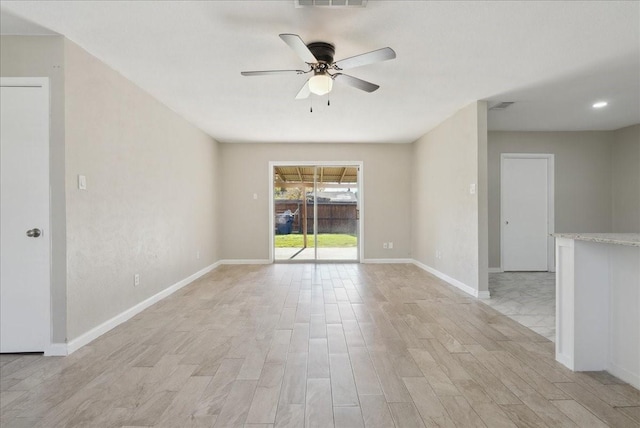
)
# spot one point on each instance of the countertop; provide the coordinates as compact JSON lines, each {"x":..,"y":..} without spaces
{"x":629,"y":239}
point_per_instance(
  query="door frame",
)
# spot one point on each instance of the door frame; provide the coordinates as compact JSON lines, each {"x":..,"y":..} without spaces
{"x":42,"y":82}
{"x":550,"y":203}
{"x":272,"y":225}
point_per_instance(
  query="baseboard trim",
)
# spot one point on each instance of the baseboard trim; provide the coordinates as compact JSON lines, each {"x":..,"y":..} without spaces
{"x":245,"y":262}
{"x":564,"y":360}
{"x":98,"y":331}
{"x":626,"y":375}
{"x":495,"y":270}
{"x":388,"y":261}
{"x":458,"y":284}
{"x":56,"y":350}
{"x":484,"y":294}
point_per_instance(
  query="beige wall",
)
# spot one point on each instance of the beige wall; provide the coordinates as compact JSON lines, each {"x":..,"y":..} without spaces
{"x":44,"y":57}
{"x":625,"y":180}
{"x":159,"y":190}
{"x":582,"y":179}
{"x":245,"y":222}
{"x":483,"y":200}
{"x":446,"y":216}
{"x":151,"y":195}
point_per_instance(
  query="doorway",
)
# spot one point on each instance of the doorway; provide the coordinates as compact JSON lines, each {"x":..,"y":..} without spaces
{"x":526,"y":212}
{"x":315,"y":211}
{"x":24,"y":231}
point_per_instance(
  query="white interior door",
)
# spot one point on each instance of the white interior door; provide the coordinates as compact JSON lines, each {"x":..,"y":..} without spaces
{"x":524,"y":202}
{"x":25,"y":243}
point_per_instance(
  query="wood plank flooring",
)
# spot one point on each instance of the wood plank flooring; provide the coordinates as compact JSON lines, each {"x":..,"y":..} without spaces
{"x":344,"y":345}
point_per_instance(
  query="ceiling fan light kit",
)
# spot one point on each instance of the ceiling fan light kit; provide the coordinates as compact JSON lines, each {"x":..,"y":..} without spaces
{"x":320,"y":84}
{"x":319,"y":57}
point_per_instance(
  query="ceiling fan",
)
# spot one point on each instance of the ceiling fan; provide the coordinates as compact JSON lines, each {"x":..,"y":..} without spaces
{"x":319,"y":58}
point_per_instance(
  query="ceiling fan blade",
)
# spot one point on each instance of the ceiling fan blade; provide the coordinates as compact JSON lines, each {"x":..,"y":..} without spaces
{"x":299,"y":47}
{"x":365,"y":58}
{"x":266,"y":72}
{"x":304,"y":91}
{"x":355,"y":82}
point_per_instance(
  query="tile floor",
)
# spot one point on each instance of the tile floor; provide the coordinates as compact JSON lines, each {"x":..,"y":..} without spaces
{"x":304,"y":345}
{"x":526,"y":297}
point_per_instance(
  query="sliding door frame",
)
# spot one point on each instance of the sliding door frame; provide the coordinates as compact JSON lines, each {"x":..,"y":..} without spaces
{"x":272,"y":225}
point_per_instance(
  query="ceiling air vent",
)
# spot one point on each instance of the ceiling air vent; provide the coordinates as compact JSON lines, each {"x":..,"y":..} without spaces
{"x":330,"y":3}
{"x":502,"y":105}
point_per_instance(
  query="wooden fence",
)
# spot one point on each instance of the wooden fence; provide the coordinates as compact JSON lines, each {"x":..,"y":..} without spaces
{"x":333,"y":217}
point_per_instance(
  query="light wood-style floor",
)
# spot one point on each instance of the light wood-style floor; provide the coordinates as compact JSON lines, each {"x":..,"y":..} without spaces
{"x":343,"y":345}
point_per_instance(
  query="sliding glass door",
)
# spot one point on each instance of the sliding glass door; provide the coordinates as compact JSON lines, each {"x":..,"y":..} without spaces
{"x":316,"y":212}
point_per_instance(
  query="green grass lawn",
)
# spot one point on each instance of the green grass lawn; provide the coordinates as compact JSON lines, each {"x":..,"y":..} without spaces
{"x":325,"y":240}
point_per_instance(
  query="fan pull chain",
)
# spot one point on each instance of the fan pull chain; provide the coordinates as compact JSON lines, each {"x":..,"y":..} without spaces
{"x":311,"y":104}
{"x":328,"y":93}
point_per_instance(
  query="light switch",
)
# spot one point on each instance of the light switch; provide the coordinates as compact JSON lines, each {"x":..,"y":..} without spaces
{"x":255,"y":196}
{"x":82,"y":182}
{"x":472,"y":189}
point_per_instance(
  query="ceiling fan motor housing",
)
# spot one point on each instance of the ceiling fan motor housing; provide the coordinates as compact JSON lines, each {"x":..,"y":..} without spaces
{"x":323,"y":51}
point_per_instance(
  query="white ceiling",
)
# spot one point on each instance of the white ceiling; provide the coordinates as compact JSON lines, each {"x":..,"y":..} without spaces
{"x":554,"y":59}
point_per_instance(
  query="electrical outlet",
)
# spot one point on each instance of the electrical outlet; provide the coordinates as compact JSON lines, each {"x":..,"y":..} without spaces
{"x":136,"y":280}
{"x":385,"y":245}
{"x":391,"y":245}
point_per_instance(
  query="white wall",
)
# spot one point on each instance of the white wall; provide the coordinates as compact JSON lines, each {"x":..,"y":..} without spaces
{"x":582,"y":179}
{"x":446,"y":217}
{"x":151,"y":195}
{"x":44,"y":57}
{"x":387,"y":200}
{"x":625,"y":180}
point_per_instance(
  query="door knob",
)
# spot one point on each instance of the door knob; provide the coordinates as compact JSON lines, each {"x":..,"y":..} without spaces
{"x":34,"y":233}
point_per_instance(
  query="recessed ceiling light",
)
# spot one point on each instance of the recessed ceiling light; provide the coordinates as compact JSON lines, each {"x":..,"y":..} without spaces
{"x":600,"y":104}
